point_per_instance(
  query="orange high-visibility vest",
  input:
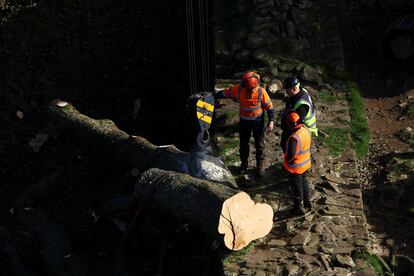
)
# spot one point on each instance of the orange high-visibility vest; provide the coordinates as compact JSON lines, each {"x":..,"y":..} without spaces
{"x":250,"y":108}
{"x":301,"y":161}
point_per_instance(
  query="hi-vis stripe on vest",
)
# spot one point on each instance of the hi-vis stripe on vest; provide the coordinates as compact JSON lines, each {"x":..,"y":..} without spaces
{"x":250,"y":108}
{"x":301,"y":161}
{"x":205,"y":111}
{"x":310,"y":118}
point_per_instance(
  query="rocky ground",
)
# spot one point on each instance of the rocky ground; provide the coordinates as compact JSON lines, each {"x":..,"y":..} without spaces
{"x":327,"y":240}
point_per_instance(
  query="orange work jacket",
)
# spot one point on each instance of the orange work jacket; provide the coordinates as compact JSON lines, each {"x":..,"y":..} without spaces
{"x":250,"y":108}
{"x":301,"y":161}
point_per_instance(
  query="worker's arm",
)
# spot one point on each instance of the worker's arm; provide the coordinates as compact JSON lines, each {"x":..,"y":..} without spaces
{"x":229,"y":92}
{"x":268,"y":106}
{"x":302,"y":110}
{"x":291,"y":150}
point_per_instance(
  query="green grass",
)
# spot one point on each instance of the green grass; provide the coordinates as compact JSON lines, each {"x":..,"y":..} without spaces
{"x":227,"y":150}
{"x":337,"y":140}
{"x":326,"y":96}
{"x":406,"y":136}
{"x":370,"y":261}
{"x":231,"y":114}
{"x":359,"y":125}
{"x":234,"y":256}
{"x":410,"y":111}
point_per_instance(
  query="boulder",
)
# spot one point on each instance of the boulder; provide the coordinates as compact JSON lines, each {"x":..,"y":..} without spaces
{"x":275,"y":86}
{"x":311,"y":74}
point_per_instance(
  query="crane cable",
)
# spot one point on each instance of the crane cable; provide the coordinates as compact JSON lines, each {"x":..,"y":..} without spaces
{"x":204,"y":45}
{"x":191,"y":46}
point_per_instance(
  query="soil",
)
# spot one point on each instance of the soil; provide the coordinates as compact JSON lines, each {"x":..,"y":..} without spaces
{"x":386,"y":117}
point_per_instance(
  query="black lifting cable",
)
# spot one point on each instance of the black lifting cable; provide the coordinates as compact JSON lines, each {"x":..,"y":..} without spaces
{"x":204,"y":43}
{"x":201,"y":26}
{"x":208,"y":45}
{"x":191,"y":46}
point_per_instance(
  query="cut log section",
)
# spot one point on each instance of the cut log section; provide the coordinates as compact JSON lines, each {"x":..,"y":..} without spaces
{"x":243,"y":221}
{"x":137,"y":151}
{"x":216,"y":209}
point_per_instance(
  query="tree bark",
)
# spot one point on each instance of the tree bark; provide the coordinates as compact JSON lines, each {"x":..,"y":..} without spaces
{"x":216,"y":209}
{"x":137,"y":151}
{"x":169,"y":186}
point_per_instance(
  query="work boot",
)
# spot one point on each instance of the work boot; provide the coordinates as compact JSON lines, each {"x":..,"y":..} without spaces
{"x":243,"y":167}
{"x":260,"y":168}
{"x":307,"y":203}
{"x":298,"y":209}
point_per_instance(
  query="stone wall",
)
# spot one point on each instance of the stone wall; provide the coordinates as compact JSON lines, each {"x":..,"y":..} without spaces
{"x":285,"y":35}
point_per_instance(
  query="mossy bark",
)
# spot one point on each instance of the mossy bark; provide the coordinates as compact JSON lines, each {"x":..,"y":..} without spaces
{"x":222,"y":212}
{"x":185,"y":197}
{"x":132,"y":150}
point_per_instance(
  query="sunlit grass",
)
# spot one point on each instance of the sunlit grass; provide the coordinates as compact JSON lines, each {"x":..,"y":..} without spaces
{"x":359,"y":126}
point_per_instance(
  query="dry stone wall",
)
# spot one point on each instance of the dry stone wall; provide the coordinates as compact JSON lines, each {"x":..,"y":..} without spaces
{"x":285,"y":36}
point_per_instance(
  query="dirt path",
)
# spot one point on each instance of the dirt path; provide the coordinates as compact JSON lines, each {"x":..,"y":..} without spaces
{"x":386,"y":118}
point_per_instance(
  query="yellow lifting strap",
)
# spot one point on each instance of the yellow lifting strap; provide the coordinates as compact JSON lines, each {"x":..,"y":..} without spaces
{"x":205,"y":111}
{"x":204,"y":117}
{"x":204,"y":105}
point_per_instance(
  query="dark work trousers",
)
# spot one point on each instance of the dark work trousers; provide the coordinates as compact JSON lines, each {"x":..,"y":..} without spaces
{"x":300,"y":186}
{"x":245,"y":131}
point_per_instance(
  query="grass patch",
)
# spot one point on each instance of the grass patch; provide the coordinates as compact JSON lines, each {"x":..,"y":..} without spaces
{"x":406,"y":136}
{"x":231,"y":114}
{"x":228,"y":149}
{"x":232,"y":158}
{"x":326,"y":96}
{"x":336,"y":141}
{"x":370,"y":261}
{"x":359,"y":125}
{"x":410,"y":111}
{"x":234,"y":256}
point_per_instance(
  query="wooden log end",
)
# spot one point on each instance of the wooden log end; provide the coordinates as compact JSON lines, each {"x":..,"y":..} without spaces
{"x":59,"y":103}
{"x":242,"y":221}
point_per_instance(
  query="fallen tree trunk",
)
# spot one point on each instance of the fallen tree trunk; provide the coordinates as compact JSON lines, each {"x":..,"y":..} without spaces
{"x":137,"y":151}
{"x":216,"y":209}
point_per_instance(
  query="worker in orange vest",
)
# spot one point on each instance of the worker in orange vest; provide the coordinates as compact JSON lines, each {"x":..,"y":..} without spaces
{"x":297,"y":161}
{"x":253,"y":100}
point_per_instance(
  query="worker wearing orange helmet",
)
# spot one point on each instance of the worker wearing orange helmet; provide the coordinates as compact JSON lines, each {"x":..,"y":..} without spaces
{"x":297,"y":161}
{"x":253,"y":100}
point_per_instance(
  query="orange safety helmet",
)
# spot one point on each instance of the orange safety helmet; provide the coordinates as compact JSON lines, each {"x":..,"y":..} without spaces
{"x":250,"y":80}
{"x":293,"y":120}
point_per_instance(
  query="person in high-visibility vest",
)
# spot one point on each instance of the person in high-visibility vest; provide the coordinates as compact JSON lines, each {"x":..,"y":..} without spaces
{"x":299,"y":101}
{"x":297,"y":161}
{"x":253,"y":100}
